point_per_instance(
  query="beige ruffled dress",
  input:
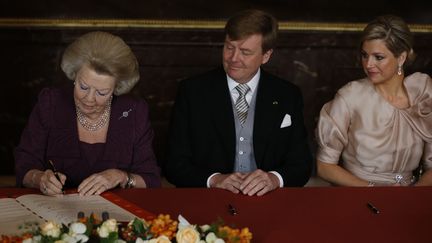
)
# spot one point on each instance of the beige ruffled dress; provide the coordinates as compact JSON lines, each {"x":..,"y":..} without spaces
{"x":378,"y":142}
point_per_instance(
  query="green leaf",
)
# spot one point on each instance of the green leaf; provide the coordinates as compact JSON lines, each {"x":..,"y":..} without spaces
{"x":138,"y":226}
{"x":89,"y":228}
{"x":49,"y":239}
{"x":112,"y":237}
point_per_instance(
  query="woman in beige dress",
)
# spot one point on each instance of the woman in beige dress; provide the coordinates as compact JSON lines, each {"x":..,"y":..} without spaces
{"x":378,"y":130}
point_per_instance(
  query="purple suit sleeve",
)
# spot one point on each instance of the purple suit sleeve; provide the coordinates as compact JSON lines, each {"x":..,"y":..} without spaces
{"x":144,"y":160}
{"x":30,"y":152}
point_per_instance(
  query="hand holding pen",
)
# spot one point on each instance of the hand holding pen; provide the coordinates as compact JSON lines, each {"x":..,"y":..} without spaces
{"x":52,"y":185}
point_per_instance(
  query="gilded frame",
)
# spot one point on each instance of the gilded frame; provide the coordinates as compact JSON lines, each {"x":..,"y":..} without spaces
{"x":183,"y":24}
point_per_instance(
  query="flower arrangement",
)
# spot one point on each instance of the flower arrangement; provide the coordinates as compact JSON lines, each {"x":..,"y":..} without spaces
{"x":162,"y":229}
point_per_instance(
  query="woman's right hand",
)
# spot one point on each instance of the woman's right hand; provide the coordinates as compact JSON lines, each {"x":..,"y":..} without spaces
{"x":50,"y":185}
{"x":337,"y":175}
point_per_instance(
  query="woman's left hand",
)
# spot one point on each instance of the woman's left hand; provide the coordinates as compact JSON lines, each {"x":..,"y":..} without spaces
{"x":100,"y":182}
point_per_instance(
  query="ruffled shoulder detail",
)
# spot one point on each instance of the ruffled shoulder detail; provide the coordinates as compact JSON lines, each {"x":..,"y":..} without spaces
{"x":419,"y":114}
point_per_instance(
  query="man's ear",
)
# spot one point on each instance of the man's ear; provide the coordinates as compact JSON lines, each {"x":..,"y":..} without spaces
{"x":266,"y":56}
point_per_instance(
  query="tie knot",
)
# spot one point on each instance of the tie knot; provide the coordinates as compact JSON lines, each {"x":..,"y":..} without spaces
{"x":242,"y":89}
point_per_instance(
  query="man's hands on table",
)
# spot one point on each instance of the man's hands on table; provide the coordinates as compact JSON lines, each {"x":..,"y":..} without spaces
{"x":257,"y":182}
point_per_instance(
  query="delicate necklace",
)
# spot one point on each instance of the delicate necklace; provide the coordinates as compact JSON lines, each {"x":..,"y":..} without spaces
{"x":99,"y":124}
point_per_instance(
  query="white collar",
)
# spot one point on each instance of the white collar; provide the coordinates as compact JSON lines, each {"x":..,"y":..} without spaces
{"x":253,"y":83}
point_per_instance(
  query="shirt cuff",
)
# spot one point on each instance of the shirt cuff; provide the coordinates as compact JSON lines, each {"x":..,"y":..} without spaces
{"x":208,"y":180}
{"x":281,"y":182}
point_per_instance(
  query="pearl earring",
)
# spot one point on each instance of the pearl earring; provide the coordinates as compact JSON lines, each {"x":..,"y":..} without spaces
{"x":399,"y":72}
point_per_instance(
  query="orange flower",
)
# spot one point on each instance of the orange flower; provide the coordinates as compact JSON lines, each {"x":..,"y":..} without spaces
{"x":11,"y":239}
{"x":163,"y":225}
{"x":231,"y":235}
{"x":27,"y":236}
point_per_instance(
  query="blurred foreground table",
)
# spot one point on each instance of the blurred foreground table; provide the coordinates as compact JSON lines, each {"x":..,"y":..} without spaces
{"x":313,"y":214}
{"x":320,"y":214}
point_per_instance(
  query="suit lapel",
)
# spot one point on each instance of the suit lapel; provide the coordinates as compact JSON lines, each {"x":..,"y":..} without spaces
{"x":221,"y":108}
{"x":267,"y":116}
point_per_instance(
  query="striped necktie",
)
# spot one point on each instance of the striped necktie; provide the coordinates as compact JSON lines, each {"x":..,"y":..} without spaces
{"x":241,"y":103}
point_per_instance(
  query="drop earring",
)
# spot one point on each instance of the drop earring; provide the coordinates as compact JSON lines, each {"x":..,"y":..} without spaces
{"x":399,"y":72}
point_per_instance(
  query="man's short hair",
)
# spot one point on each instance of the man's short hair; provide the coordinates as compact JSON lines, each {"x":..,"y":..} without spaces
{"x":250,"y":22}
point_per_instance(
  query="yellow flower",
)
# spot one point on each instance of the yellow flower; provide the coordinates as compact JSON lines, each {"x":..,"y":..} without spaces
{"x":103,"y":231}
{"x":205,"y":228}
{"x":160,"y":239}
{"x":111,"y":224}
{"x":188,"y":235}
{"x":51,"y":229}
{"x":245,"y":235}
{"x":77,"y":228}
{"x":212,"y":238}
{"x":107,"y":227}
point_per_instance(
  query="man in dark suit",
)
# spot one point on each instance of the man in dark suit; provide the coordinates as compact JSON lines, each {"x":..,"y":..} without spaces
{"x":240,"y":128}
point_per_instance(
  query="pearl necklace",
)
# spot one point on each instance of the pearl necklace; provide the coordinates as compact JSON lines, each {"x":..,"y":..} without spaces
{"x":103,"y":120}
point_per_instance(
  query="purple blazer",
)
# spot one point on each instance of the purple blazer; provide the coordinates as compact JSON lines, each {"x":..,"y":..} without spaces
{"x":52,"y":134}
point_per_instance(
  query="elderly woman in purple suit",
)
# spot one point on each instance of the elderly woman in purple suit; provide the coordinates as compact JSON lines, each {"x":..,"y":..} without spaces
{"x":88,"y":135}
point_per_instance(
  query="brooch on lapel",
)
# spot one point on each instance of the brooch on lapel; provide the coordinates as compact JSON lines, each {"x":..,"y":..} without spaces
{"x":125,"y":114}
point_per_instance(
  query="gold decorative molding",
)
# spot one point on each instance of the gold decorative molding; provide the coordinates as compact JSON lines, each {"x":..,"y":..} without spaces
{"x":111,"y":23}
{"x":183,"y":24}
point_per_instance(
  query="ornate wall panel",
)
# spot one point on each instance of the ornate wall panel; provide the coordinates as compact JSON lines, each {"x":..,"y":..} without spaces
{"x":318,"y":57}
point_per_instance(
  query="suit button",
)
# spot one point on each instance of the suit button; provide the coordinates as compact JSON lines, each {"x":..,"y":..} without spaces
{"x":240,"y":152}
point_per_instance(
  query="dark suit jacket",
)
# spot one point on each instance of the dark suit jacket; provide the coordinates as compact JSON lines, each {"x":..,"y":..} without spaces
{"x":51,"y":134}
{"x":202,"y":132}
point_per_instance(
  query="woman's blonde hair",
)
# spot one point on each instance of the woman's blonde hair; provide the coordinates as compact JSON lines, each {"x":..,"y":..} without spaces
{"x":105,"y":54}
{"x":394,"y":32}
